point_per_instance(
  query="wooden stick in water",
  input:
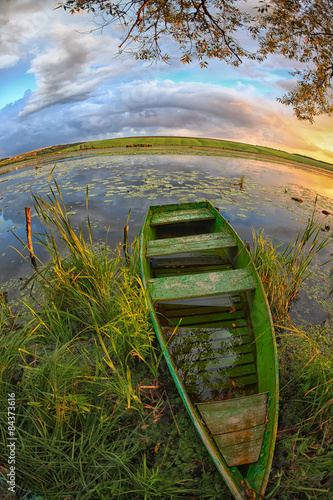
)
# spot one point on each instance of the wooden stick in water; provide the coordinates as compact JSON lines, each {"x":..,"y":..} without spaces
{"x":30,"y":247}
{"x":125,"y":242}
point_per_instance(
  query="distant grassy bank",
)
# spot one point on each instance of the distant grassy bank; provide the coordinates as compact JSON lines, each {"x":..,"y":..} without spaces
{"x":150,"y":144}
{"x":189,"y":142}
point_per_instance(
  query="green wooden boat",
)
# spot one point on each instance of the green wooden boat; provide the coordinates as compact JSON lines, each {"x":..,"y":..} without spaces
{"x":213,"y":323}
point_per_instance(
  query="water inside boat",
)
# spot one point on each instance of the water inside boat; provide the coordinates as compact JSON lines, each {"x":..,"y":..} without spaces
{"x":211,"y":339}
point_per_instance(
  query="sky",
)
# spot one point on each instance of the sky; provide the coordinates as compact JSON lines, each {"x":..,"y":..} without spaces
{"x":61,"y":81}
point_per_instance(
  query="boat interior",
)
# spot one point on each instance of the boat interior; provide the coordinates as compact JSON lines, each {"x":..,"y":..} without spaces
{"x":210,"y":337}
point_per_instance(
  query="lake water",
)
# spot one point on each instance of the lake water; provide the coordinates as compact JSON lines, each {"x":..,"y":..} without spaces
{"x":117,"y":184}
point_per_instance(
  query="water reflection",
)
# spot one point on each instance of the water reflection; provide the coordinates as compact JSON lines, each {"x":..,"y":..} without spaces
{"x":212,"y":345}
{"x":117,"y":184}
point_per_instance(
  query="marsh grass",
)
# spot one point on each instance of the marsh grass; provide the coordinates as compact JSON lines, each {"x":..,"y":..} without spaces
{"x":283,"y":270}
{"x":303,"y":465}
{"x":92,"y":419}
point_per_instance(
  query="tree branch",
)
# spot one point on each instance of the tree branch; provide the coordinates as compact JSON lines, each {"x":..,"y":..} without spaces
{"x":218,"y":27}
{"x":137,"y":22}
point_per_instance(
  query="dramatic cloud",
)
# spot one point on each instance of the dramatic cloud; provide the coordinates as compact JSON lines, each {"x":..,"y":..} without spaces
{"x":80,"y":89}
{"x":73,"y":67}
{"x":23,"y":23}
{"x":160,"y":108}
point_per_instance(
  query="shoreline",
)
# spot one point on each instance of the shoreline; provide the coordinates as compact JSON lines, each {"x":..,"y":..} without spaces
{"x":161,"y":145}
{"x":43,"y":159}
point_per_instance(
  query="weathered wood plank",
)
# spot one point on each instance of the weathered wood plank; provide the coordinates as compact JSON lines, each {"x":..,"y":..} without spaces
{"x":221,"y":319}
{"x":161,"y":273}
{"x":171,"y":309}
{"x":224,"y":317}
{"x":181,"y":311}
{"x":201,"y":285}
{"x":208,"y":395}
{"x":238,"y":437}
{"x":206,"y":376}
{"x":195,"y":214}
{"x":237,"y":345}
{"x":234,"y":414}
{"x":196,"y":260}
{"x":240,"y":453}
{"x":198,"y":351}
{"x":233,"y":324}
{"x":219,"y":384}
{"x":184,"y":337}
{"x":186,"y":244}
{"x":213,"y":362}
{"x":193,"y":333}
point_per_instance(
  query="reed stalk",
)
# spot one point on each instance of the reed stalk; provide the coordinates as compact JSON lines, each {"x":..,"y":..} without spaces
{"x":283,"y":270}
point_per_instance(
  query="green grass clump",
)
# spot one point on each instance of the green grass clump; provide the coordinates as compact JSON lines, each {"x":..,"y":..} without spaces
{"x":97,"y":416}
{"x":303,"y":463}
{"x":282,"y":271}
{"x":92,"y":292}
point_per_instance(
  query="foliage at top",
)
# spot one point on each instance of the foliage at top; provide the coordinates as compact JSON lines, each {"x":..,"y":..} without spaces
{"x":206,"y":29}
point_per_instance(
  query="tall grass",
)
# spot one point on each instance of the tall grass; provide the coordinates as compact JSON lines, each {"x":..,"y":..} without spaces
{"x":303,"y":465}
{"x":92,"y":419}
{"x":98,"y":294}
{"x":282,"y":271}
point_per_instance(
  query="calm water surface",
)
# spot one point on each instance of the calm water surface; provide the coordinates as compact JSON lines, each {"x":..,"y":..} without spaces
{"x":117,"y":184}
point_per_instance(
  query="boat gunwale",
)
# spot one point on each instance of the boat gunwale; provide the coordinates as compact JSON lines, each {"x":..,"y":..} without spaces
{"x":232,"y":480}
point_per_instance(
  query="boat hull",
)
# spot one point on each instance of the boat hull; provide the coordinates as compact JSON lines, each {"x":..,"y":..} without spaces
{"x":213,"y":323}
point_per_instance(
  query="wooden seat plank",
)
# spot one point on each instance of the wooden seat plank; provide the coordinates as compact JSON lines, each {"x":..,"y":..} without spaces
{"x":243,"y":447}
{"x":201,"y":285}
{"x":195,"y":214}
{"x":238,"y":426}
{"x":238,"y":437}
{"x":186,"y":244}
{"x":234,"y":414}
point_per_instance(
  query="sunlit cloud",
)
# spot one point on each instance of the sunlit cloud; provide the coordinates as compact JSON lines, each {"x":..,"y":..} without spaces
{"x":72,"y":67}
{"x":84,"y":90}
